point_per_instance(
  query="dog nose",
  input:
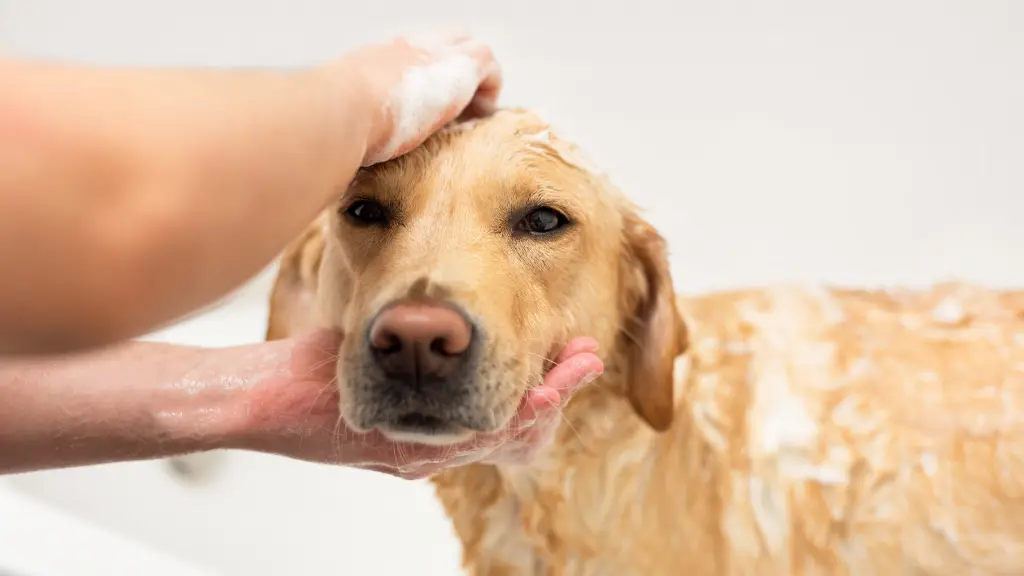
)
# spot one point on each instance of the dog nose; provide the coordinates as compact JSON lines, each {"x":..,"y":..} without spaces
{"x":420,"y":341}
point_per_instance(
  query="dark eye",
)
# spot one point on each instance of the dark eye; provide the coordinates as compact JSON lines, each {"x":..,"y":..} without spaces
{"x":542,"y":221}
{"x":366,"y":212}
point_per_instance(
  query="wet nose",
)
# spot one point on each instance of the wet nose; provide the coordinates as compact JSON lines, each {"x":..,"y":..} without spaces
{"x":420,"y":341}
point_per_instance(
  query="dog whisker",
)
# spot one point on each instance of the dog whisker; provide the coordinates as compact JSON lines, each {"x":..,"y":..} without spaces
{"x":543,"y":358}
{"x":332,"y":384}
{"x":338,"y":438}
{"x":579,"y":437}
{"x":321,"y":364}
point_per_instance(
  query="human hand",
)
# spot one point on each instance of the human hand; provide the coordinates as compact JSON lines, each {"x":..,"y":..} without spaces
{"x":296,"y":414}
{"x":415,"y":85}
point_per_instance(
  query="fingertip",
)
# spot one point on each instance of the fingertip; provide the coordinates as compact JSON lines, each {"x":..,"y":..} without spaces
{"x":588,"y":362}
{"x":574,"y":372}
{"x":488,"y":68}
{"x":480,"y":107}
{"x":588,"y":368}
{"x":491,"y":75}
{"x":578,"y":345}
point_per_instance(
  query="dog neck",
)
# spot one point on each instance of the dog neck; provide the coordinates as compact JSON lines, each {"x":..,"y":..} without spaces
{"x":597,"y":416}
{"x":607,"y":465}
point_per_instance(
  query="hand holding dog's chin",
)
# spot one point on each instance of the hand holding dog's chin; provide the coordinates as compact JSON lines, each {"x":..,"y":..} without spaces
{"x":294,"y":411}
{"x":529,"y":431}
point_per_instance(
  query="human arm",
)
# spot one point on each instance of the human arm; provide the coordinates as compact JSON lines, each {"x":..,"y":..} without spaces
{"x":134,"y":401}
{"x":144,"y":400}
{"x":131,"y":197}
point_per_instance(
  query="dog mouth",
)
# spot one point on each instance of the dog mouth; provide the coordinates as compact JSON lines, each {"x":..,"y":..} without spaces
{"x":425,"y":424}
{"x":420,"y":421}
{"x":427,"y":417}
{"x":422,"y":427}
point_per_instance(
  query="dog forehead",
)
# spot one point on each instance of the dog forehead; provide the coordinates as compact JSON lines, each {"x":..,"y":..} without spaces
{"x":490,"y":163}
{"x":517,"y":139}
{"x":502,"y":144}
{"x":479,"y":160}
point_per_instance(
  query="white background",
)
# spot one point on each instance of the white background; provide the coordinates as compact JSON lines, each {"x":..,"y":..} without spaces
{"x":855,"y":142}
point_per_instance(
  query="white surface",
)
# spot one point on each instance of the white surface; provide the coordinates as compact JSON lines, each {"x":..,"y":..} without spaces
{"x":37,"y":539}
{"x":862,"y":142}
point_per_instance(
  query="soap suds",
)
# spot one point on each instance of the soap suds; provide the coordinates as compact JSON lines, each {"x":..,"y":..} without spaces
{"x":949,"y":311}
{"x":570,"y":154}
{"x":425,"y":92}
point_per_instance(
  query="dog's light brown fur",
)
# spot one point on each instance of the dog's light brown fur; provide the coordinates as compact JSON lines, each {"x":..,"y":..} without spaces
{"x":807,"y":430}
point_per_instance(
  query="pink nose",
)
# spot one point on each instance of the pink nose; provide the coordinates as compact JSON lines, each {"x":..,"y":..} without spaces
{"x":420,"y":340}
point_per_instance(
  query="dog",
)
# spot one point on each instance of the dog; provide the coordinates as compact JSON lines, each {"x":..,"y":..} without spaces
{"x":782,"y":430}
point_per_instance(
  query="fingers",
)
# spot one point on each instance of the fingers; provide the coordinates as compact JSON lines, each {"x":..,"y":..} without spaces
{"x":485,"y":101}
{"x":424,"y":82}
{"x":535,"y":403}
{"x":575,"y":366}
{"x":442,"y":45}
{"x":559,"y":384}
{"x":574,"y":371}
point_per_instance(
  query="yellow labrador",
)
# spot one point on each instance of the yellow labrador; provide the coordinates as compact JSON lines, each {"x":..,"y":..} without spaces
{"x":805,"y":430}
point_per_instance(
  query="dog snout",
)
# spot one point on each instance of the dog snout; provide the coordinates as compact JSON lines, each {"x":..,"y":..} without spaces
{"x":417,"y":343}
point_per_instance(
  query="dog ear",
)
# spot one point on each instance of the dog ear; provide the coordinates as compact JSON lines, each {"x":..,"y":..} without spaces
{"x":293,"y":298}
{"x":654,"y":331}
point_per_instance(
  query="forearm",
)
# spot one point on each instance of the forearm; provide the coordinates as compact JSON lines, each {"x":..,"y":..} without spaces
{"x":134,"y":402}
{"x":156,"y":191}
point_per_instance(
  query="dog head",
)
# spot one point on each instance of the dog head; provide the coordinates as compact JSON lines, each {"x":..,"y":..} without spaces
{"x":459,"y":270}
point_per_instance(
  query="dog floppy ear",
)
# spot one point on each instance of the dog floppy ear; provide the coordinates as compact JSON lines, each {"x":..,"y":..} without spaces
{"x":293,"y":299}
{"x":654,"y":332}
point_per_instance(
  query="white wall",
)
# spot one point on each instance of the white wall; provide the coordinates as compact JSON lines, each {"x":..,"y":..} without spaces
{"x":858,"y":142}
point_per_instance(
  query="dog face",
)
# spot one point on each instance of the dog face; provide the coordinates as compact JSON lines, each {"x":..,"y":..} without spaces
{"x":458,"y":271}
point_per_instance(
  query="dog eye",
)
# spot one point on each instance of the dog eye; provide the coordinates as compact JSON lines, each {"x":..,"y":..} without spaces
{"x":366,"y":212}
{"x":542,"y":221}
